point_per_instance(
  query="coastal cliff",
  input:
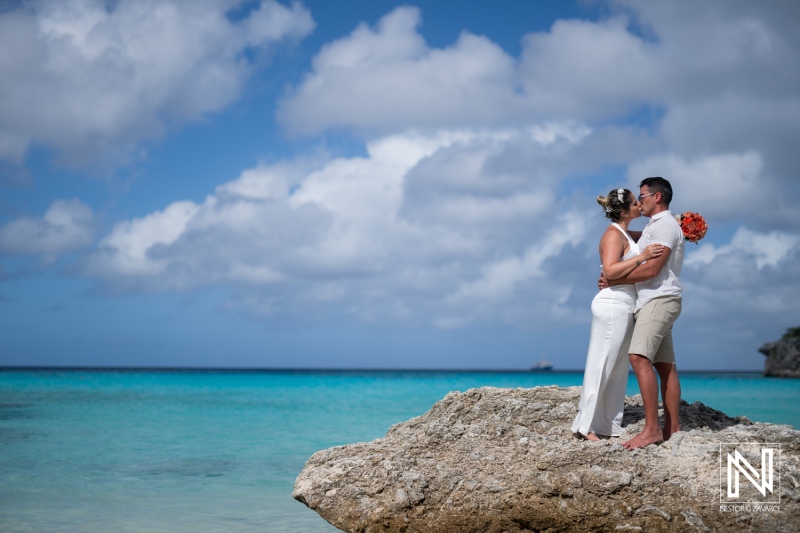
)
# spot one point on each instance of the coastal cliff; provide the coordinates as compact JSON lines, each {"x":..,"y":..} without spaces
{"x":783,"y":356}
{"x":504,"y":460}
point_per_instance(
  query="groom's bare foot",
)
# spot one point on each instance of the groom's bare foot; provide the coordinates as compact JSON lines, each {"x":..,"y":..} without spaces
{"x":592,"y":437}
{"x":645,"y":438}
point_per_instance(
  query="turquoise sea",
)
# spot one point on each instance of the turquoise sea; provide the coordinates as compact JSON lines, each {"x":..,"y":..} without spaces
{"x":218,"y":451}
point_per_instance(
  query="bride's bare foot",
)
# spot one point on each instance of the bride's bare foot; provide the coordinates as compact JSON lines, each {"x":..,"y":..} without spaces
{"x":645,"y":438}
{"x":592,"y":437}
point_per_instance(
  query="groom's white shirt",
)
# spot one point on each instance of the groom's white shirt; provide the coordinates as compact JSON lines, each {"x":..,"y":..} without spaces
{"x":662,"y":229}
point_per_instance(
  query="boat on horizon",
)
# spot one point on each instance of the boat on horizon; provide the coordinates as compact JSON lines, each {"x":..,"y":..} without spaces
{"x":542,"y":366}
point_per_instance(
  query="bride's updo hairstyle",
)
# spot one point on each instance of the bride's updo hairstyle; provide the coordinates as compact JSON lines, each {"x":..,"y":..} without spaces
{"x":615,"y":203}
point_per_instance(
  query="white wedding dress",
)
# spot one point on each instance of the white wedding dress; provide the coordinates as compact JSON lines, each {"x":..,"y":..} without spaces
{"x":606,"y":376}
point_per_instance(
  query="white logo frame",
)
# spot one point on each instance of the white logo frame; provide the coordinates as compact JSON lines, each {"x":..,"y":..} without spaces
{"x":733,"y":465}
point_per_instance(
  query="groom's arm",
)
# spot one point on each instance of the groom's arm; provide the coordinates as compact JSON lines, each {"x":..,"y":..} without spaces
{"x":647,"y":270}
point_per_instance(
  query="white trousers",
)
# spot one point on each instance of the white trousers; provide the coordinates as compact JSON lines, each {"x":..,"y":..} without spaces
{"x":606,"y":376}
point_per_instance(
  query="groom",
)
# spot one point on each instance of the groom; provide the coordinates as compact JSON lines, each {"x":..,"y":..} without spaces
{"x":658,"y":305}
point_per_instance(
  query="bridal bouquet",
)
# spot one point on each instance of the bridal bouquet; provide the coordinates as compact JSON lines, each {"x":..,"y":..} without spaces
{"x":693,"y":225}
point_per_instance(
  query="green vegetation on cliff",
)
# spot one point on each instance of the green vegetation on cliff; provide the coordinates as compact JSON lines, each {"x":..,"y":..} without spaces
{"x":791,"y":333}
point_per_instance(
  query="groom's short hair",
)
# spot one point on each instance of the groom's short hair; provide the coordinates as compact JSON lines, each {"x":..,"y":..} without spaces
{"x":659,"y":184}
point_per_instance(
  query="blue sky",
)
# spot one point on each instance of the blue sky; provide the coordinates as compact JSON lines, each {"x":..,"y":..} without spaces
{"x":374,"y":184}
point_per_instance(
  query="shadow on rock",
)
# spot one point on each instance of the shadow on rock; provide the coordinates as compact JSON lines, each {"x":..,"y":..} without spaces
{"x":692,"y":416}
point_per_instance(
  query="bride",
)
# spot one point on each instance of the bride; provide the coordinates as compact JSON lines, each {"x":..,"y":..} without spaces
{"x":606,"y":375}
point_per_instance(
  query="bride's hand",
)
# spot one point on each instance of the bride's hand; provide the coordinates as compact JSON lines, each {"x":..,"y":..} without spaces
{"x":653,"y":250}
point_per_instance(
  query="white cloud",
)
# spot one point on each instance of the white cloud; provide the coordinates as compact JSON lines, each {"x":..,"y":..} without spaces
{"x":739,"y":293}
{"x":504,"y":177}
{"x":499,"y":281}
{"x":389,"y":79}
{"x":67,"y":226}
{"x":348,"y":236}
{"x":127,"y":249}
{"x":722,"y":35}
{"x":91,"y":79}
{"x":591,"y":70}
{"x":719,"y":186}
{"x":764,"y":249}
{"x":760,"y":131}
{"x":723,"y":81}
{"x":474,"y":201}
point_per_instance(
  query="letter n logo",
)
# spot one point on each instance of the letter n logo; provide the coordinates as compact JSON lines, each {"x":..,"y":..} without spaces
{"x":739,"y":465}
{"x":761,"y":477}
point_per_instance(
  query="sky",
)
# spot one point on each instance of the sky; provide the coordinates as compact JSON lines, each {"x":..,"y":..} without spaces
{"x":376,"y":184}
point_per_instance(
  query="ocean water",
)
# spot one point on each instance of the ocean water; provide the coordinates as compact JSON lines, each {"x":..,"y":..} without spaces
{"x":218,"y":451}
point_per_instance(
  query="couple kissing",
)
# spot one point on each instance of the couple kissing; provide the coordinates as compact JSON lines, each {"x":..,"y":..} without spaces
{"x":632,"y":317}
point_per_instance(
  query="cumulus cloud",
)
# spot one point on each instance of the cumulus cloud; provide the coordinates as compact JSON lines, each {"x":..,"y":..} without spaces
{"x":474,"y":200}
{"x":593,"y":70}
{"x":709,"y":101}
{"x":729,"y":127}
{"x":132,"y":240}
{"x":387,"y":78}
{"x":723,"y":83}
{"x":501,"y":282}
{"x":457,"y":213}
{"x":721,"y":186}
{"x":762,"y":249}
{"x":91,"y":79}
{"x":723,"y":36}
{"x":352,"y":235}
{"x":736,"y":292}
{"x":67,"y":226}
{"x":648,"y":55}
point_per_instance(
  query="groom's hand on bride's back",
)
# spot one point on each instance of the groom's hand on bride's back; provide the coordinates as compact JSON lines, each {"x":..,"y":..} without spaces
{"x":602,"y":282}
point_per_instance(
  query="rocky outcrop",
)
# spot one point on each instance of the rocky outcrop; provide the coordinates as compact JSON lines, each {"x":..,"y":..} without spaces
{"x":783,"y":358}
{"x":504,"y":460}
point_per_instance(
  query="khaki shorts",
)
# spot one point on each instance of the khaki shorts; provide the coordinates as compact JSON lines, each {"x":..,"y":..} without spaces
{"x":652,"y":334}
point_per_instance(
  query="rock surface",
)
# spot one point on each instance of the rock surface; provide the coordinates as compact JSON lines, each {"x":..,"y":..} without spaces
{"x":783,"y":358}
{"x":504,"y":460}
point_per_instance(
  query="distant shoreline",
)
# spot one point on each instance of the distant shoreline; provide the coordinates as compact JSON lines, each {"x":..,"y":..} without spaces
{"x":167,"y":369}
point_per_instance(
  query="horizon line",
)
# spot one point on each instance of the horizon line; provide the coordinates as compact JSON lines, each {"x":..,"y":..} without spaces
{"x":128,"y":368}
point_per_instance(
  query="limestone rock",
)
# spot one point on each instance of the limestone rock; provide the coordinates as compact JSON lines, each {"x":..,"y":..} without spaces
{"x":504,"y":460}
{"x":783,"y":358}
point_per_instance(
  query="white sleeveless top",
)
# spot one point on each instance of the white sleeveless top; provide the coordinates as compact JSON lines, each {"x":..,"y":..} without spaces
{"x":633,"y":251}
{"x":625,"y":288}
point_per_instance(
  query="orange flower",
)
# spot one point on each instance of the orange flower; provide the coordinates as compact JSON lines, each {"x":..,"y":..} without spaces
{"x":694,"y":226}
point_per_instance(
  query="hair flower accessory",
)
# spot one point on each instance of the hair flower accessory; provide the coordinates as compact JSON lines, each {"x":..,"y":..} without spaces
{"x":693,"y":225}
{"x":620,"y":195}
